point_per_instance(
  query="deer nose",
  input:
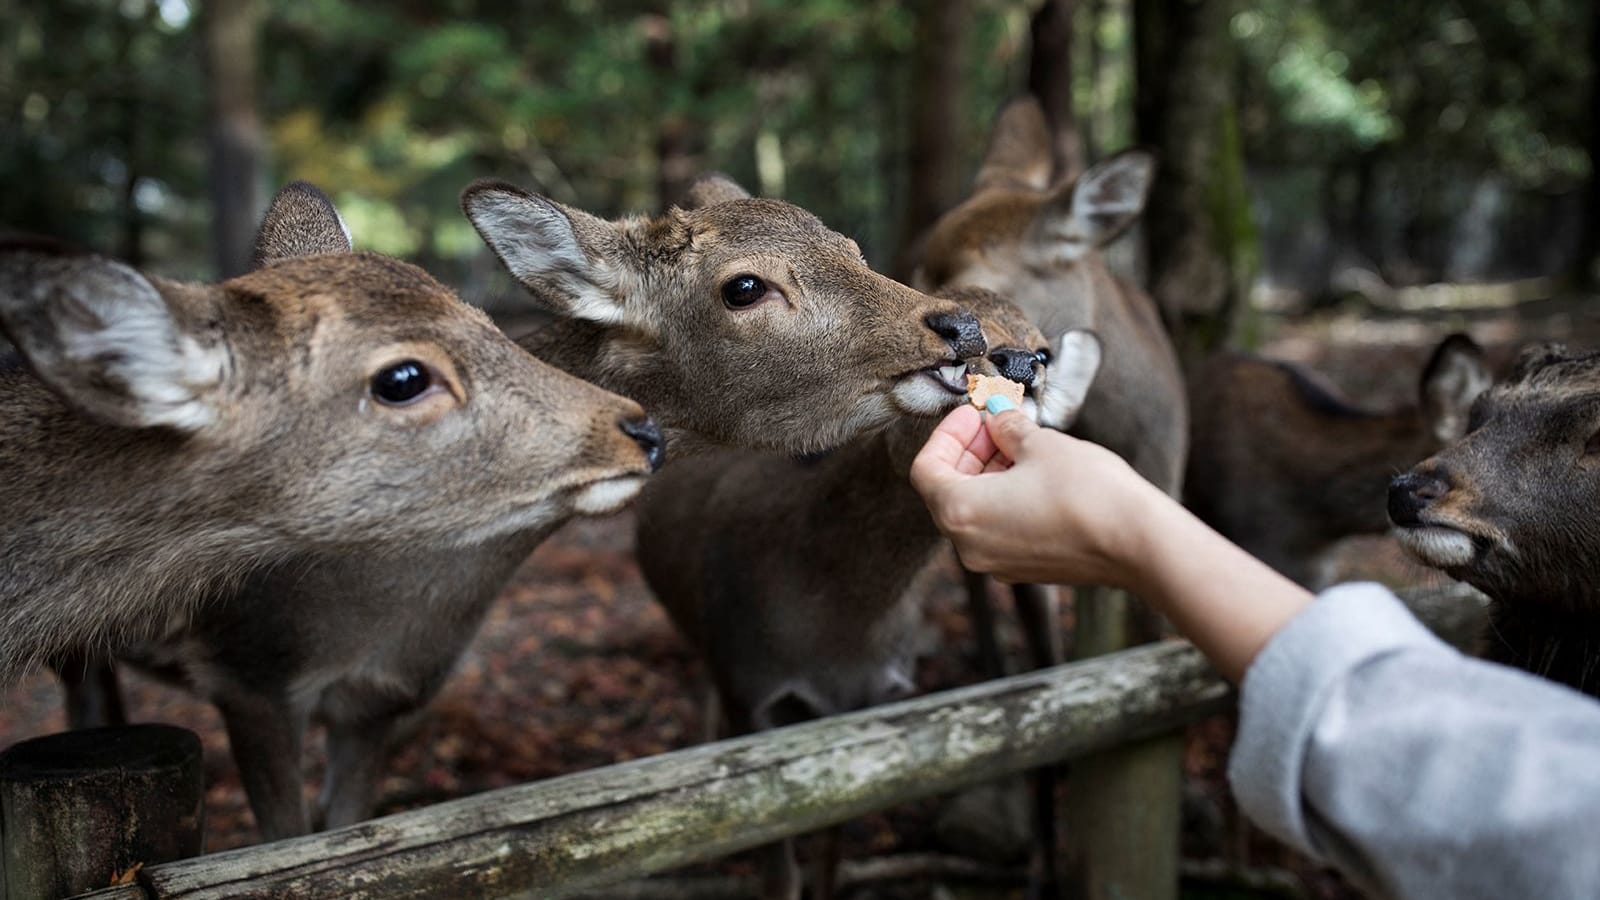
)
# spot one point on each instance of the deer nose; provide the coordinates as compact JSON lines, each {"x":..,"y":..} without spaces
{"x":1014,"y":364}
{"x":1410,"y":494}
{"x":961,"y":331}
{"x":645,"y":433}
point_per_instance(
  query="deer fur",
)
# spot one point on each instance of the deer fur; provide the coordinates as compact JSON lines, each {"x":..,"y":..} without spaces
{"x":831,"y":351}
{"x":163,"y":440}
{"x":1509,"y":509}
{"x":1285,"y":467}
{"x":822,"y":619}
{"x":1039,"y":243}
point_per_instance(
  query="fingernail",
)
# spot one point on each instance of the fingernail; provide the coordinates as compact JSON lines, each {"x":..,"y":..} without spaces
{"x":999,"y":403}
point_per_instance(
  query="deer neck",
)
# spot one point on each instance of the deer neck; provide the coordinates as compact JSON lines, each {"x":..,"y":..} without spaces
{"x":864,"y":510}
{"x":101,"y":531}
{"x":1555,"y":644}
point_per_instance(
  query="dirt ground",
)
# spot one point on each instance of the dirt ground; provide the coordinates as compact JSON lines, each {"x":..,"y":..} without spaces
{"x":577,"y":668}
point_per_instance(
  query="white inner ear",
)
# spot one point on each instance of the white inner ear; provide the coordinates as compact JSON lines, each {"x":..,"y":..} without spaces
{"x":1453,"y":390}
{"x":1110,"y":195}
{"x":536,"y":242}
{"x":1068,"y":378}
{"x":114,"y":326}
{"x":349,"y":241}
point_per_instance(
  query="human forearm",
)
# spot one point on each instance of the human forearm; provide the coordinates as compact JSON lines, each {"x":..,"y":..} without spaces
{"x":1223,"y":599}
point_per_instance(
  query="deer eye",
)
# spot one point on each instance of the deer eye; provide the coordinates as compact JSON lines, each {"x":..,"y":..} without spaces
{"x":741,"y":291}
{"x":1592,"y":446}
{"x":401,"y":383}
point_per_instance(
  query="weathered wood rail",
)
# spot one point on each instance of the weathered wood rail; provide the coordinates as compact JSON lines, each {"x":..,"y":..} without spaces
{"x":579,"y":832}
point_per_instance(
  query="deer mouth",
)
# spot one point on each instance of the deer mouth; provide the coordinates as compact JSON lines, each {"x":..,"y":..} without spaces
{"x":1439,"y":546}
{"x":607,"y":495}
{"x":950,"y":375}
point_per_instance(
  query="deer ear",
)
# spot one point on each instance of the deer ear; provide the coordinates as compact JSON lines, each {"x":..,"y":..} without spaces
{"x":106,"y":340}
{"x":301,"y":221}
{"x":1102,"y":203}
{"x":1019,"y":153}
{"x":713,"y":188}
{"x":1068,"y":378}
{"x":557,"y":253}
{"x":1453,"y":378}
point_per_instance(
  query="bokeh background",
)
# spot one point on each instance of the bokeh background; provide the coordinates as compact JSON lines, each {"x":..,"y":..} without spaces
{"x":1335,"y":147}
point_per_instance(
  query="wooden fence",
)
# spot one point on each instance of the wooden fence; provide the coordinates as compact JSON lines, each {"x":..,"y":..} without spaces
{"x":571,"y":835}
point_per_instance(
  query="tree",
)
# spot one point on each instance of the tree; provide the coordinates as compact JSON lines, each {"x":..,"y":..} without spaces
{"x":935,"y":165}
{"x":1201,"y":240}
{"x":1051,"y":79}
{"x":237,"y":148}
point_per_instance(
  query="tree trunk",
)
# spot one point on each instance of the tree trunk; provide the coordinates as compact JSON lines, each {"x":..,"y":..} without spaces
{"x":938,"y":67}
{"x":1202,"y":243}
{"x":229,"y":31}
{"x":1050,"y":79}
{"x":130,"y":247}
{"x":1588,"y":250}
{"x":678,"y":144}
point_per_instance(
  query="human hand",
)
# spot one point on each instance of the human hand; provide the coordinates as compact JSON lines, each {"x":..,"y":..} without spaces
{"x":1030,"y":504}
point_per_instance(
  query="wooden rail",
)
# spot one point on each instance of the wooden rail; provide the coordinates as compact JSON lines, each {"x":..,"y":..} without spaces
{"x":579,"y":832}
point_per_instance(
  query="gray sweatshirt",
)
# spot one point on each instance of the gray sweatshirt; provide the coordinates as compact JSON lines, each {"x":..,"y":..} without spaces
{"x":1367,"y":743}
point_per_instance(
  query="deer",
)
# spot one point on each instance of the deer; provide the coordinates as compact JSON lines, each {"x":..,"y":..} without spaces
{"x":1037,"y":235}
{"x":738,"y":321}
{"x":162,"y":440}
{"x":1508,"y":508}
{"x":1039,"y":241}
{"x":824,"y":620}
{"x":1284,"y":466}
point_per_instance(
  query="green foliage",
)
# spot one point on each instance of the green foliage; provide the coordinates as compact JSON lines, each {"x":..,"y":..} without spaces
{"x":1494,"y":85}
{"x":393,"y":107}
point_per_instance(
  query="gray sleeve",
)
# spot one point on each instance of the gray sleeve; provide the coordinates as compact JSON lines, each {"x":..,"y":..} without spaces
{"x":1421,"y":773}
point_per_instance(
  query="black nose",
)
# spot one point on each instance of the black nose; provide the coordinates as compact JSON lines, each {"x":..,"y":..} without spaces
{"x":1014,"y":364}
{"x":1410,"y":494}
{"x":645,"y":433}
{"x":961,"y":331}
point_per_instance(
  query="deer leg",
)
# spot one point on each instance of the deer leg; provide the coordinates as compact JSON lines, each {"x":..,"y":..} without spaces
{"x":780,"y":875}
{"x":980,"y":606}
{"x":825,"y":867}
{"x":1038,"y":611}
{"x":266,"y":734}
{"x":357,"y":752}
{"x":92,"y":696}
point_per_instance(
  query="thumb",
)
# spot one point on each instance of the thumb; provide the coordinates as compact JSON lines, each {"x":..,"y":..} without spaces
{"x":1010,"y":430}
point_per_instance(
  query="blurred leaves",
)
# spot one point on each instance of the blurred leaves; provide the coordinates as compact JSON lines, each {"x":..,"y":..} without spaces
{"x":394,"y":107}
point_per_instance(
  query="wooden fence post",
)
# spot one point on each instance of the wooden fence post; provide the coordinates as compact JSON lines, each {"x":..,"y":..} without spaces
{"x":80,"y":808}
{"x":1124,"y":819}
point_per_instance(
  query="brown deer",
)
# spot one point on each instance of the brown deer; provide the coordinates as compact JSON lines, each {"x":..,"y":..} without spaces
{"x":739,"y":321}
{"x":823,"y":620}
{"x":163,"y":440}
{"x":1509,"y":509}
{"x":1036,"y":236}
{"x":1039,"y":241}
{"x":1285,"y":467}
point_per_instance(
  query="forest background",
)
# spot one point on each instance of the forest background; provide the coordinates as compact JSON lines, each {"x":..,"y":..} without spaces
{"x":1313,"y":152}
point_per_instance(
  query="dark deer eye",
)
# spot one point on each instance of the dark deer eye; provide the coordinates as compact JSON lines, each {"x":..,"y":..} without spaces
{"x":1593,"y":446}
{"x":401,"y":383}
{"x":1043,"y":356}
{"x":741,"y":291}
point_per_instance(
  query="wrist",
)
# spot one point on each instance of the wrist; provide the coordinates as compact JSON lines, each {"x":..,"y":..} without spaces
{"x":1134,"y":543}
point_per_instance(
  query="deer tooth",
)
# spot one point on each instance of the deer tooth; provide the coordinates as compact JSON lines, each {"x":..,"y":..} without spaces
{"x":953,"y":375}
